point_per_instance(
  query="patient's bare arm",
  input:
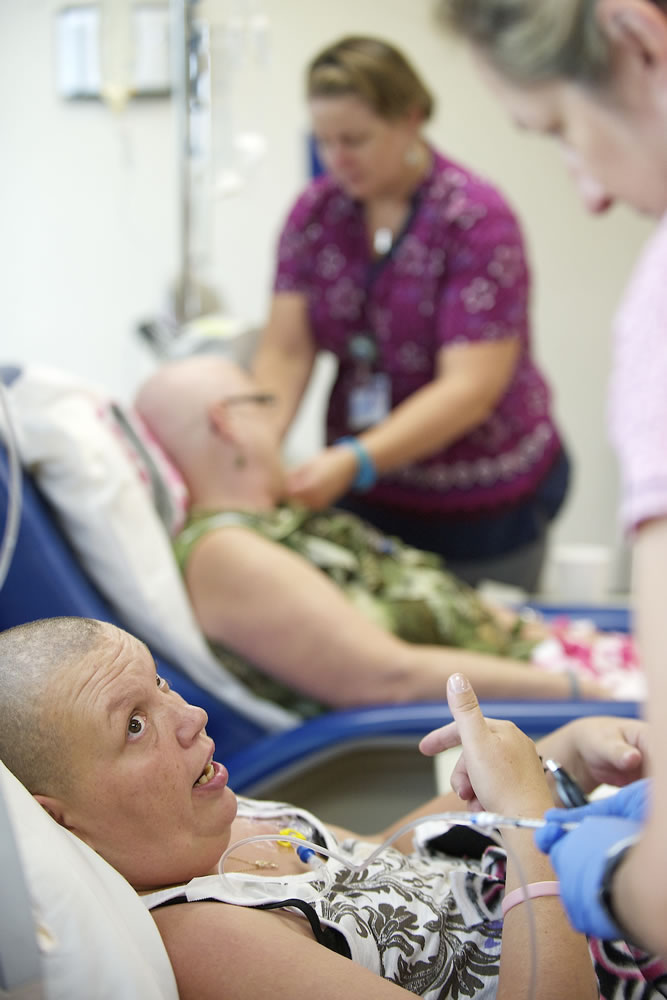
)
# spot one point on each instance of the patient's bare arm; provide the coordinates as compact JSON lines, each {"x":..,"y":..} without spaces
{"x":218,"y":950}
{"x":274,"y":608}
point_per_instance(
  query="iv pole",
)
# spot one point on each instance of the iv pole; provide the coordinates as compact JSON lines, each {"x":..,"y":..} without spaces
{"x":191,"y":54}
{"x":188,"y":297}
{"x":181,"y":32}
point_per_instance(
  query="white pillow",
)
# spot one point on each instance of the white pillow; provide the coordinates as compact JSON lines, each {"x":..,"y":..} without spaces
{"x":105,"y":510}
{"x":95,"y":936}
{"x":162,"y":481}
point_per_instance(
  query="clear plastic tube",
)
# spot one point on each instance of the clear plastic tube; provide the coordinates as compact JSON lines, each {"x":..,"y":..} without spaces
{"x":482,"y":820}
{"x":489,"y":822}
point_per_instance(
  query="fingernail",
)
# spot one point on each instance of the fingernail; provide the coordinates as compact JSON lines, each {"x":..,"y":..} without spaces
{"x":458,"y":683}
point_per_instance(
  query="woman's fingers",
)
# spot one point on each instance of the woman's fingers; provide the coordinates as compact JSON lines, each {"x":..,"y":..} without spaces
{"x":499,"y":769}
{"x":460,"y":780}
{"x":500,"y":762}
{"x":473,"y":770}
{"x":464,"y":707}
{"x":471,"y":724}
{"x":440,"y":739}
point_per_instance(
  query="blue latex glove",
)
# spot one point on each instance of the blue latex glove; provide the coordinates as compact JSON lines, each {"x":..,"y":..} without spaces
{"x":579,"y":856}
{"x":630,"y":802}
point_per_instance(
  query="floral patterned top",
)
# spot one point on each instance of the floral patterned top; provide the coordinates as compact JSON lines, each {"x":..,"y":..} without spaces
{"x":431,"y":925}
{"x":457,"y":276}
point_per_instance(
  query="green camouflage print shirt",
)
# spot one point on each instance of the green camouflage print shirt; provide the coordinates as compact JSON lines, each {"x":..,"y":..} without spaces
{"x":404,"y":590}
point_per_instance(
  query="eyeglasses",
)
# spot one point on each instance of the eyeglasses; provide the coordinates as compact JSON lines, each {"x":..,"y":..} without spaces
{"x":261,"y":398}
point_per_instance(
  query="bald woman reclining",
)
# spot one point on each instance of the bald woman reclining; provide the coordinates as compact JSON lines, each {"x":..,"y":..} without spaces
{"x":317,"y":610}
{"x":122,"y":762}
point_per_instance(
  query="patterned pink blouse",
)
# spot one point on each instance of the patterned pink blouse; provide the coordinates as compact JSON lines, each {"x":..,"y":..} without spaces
{"x":458,"y":275}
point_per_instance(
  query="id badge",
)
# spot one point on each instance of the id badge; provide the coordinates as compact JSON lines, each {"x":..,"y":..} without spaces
{"x":369,"y":402}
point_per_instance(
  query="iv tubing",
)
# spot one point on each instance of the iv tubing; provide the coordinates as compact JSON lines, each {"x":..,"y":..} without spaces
{"x":481,"y":820}
{"x":490,"y":822}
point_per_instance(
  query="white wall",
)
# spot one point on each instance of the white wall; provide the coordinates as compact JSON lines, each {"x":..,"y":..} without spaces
{"x":89,"y":239}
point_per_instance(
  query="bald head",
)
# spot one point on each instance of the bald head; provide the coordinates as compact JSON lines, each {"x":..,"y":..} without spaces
{"x":32,"y":657}
{"x":229,"y":455}
{"x":174,"y":400}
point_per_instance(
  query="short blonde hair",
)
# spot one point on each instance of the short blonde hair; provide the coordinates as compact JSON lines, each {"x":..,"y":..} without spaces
{"x":530,"y":41}
{"x":373,"y":70}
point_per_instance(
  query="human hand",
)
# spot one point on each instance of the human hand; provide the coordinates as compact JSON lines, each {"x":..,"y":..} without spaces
{"x":600,"y":750}
{"x":629,"y":803}
{"x":495,"y":752}
{"x":579,"y":858}
{"x":321,"y":480}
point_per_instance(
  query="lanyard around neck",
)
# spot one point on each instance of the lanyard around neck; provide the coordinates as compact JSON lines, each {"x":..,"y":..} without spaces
{"x":379,"y":262}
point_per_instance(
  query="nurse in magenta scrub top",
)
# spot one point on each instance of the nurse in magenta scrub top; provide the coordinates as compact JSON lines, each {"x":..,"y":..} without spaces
{"x":411,"y":270}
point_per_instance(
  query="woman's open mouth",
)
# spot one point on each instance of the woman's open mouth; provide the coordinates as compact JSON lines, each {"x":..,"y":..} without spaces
{"x":213,"y":776}
{"x":206,"y":775}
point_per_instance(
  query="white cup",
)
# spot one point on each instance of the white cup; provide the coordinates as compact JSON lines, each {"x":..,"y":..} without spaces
{"x":580,"y":573}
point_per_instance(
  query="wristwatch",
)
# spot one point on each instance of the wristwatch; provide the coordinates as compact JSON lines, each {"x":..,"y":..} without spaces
{"x":615,"y":857}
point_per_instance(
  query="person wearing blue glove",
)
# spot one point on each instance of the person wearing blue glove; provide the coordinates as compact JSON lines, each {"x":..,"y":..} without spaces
{"x":586,"y":858}
{"x":593,"y":750}
{"x":593,"y":75}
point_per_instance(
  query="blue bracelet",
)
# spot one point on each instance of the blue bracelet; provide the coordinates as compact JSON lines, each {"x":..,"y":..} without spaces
{"x":366,"y":476}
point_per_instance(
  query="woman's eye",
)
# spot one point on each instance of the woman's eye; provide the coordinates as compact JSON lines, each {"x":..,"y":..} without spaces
{"x":136,"y":725}
{"x":162,"y":683}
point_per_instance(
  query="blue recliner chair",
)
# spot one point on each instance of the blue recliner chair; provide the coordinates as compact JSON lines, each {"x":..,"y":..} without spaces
{"x":46,"y":580}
